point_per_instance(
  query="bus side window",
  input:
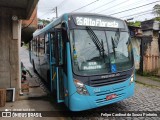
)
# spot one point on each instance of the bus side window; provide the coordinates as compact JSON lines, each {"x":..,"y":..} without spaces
{"x":60,"y":49}
{"x":31,"y":45}
{"x":38,"y":46}
{"x":53,"y":45}
{"x":34,"y":46}
{"x":47,"y":48}
{"x":41,"y":46}
{"x":46,"y":44}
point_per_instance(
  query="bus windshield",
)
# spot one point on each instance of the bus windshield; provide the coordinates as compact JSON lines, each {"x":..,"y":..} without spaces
{"x":94,"y":51}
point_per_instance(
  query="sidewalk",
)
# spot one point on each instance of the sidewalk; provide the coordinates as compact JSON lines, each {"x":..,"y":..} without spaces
{"x":151,"y":81}
{"x":35,"y":98}
{"x":32,"y":87}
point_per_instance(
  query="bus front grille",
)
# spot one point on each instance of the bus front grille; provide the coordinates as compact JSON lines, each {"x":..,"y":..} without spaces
{"x":103,"y":101}
{"x":108,"y":81}
{"x":105,"y":92}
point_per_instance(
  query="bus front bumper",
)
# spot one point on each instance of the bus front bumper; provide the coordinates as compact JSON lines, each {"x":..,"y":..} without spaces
{"x":81,"y":102}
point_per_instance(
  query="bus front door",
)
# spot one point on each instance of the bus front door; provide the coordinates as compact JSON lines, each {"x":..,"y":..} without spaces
{"x":58,"y":67}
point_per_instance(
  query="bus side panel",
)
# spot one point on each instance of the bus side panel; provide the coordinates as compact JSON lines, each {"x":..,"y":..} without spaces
{"x":44,"y":66}
{"x":65,"y":78}
{"x":71,"y":87}
{"x":36,"y":63}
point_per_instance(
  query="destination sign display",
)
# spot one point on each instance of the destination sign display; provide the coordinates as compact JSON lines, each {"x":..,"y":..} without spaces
{"x":98,"y":21}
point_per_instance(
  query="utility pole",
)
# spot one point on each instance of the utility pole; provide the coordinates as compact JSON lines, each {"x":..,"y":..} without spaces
{"x":56,"y":13}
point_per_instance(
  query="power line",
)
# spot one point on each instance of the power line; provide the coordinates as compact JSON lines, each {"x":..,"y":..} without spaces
{"x":139,"y":15}
{"x":46,"y":13}
{"x":52,"y":10}
{"x":135,"y":14}
{"x":112,"y":6}
{"x":61,"y":3}
{"x":135,"y":3}
{"x":142,"y":14}
{"x":134,"y":8}
{"x":85,"y":5}
{"x":102,"y":5}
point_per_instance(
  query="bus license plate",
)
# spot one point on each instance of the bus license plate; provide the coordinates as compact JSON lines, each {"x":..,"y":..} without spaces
{"x":112,"y":96}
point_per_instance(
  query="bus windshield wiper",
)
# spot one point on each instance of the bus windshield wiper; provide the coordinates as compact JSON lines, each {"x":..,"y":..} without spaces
{"x":96,"y":41}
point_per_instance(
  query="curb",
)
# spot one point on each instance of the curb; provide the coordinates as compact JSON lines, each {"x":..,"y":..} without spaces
{"x":148,"y":85}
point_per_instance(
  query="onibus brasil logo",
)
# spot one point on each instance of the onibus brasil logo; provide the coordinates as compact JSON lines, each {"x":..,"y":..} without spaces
{"x":8,"y":113}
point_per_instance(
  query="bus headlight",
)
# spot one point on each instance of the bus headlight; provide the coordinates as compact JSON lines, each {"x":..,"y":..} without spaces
{"x":132,"y":78}
{"x":81,"y":89}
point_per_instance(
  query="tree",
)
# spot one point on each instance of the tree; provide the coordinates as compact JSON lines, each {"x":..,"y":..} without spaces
{"x":42,"y":21}
{"x":136,"y":23}
{"x":156,"y":10}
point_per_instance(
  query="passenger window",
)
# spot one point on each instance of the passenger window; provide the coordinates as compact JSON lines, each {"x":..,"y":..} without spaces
{"x":47,"y":47}
{"x":46,"y":44}
{"x":60,"y":49}
{"x":53,"y":43}
{"x":41,"y":46}
{"x":34,"y":46}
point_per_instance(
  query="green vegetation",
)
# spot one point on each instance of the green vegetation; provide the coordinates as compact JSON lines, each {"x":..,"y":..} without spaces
{"x":156,"y":10}
{"x":157,"y":18}
{"x":150,"y":75}
{"x":136,"y":23}
{"x":155,"y":78}
{"x":42,"y":21}
{"x":26,"y":45}
{"x":147,"y":74}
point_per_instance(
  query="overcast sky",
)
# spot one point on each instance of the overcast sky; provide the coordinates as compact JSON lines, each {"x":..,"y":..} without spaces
{"x":106,"y":7}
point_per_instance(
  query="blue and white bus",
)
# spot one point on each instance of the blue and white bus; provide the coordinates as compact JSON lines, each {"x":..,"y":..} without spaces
{"x":86,"y":58}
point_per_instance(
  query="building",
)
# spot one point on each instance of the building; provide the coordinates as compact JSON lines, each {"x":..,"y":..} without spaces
{"x":12,"y":12}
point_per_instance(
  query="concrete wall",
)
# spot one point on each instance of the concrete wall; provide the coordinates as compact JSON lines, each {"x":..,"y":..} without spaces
{"x":136,"y":42}
{"x":151,"y":56}
{"x":9,"y":51}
